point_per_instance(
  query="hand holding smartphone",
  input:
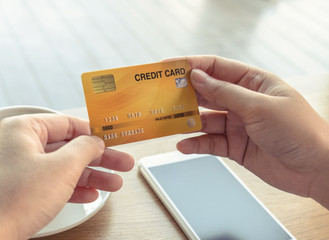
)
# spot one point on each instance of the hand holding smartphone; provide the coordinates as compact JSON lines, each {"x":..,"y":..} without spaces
{"x":207,"y":200}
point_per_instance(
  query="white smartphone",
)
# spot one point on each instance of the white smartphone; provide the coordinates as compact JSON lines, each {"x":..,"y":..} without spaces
{"x":207,"y":200}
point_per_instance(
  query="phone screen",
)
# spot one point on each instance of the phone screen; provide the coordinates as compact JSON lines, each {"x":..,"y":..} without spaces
{"x":214,"y":203}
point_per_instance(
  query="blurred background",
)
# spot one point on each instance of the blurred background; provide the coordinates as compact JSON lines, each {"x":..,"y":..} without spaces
{"x":45,"y":45}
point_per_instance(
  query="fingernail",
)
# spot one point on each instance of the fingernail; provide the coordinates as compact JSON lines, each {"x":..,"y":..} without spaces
{"x":198,"y":76}
{"x":184,"y":146}
{"x":99,"y":141}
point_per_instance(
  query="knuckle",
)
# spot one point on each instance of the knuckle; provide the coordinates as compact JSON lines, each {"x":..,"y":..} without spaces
{"x":71,"y":129}
{"x":88,"y":140}
{"x":217,"y":90}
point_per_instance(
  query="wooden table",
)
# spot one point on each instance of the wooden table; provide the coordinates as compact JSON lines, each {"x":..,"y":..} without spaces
{"x":135,"y":212}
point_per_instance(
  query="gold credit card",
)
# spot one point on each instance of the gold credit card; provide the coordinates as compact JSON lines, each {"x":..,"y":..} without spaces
{"x":141,"y":102}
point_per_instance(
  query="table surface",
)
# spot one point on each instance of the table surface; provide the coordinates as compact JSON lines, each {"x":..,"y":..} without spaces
{"x":135,"y":212}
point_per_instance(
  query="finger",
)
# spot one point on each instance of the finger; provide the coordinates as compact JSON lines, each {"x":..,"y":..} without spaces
{"x":203,"y":102}
{"x":205,"y":144}
{"x":78,"y":153}
{"x":223,"y":94}
{"x":111,"y":159}
{"x":84,"y":195}
{"x":213,"y":122}
{"x":57,"y":127}
{"x":100,"y":180}
{"x":115,"y":160}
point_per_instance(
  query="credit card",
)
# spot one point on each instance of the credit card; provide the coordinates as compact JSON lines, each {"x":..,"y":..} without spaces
{"x":141,"y":102}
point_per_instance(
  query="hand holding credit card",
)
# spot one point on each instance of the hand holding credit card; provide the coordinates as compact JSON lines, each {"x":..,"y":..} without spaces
{"x":141,"y":102}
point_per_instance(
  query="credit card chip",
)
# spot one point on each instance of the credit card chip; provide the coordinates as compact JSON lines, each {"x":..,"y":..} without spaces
{"x":103,"y":83}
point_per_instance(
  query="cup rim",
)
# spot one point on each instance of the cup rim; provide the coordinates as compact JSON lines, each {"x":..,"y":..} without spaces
{"x":27,"y":107}
{"x":17,"y":110}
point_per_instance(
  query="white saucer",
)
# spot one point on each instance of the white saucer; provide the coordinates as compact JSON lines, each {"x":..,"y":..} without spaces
{"x":72,"y":215}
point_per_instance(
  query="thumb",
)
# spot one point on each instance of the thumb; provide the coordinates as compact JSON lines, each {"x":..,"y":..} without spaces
{"x":79,"y":152}
{"x":221,"y":93}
